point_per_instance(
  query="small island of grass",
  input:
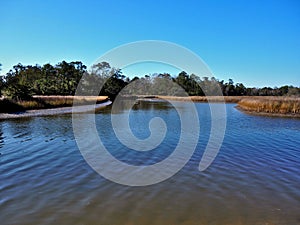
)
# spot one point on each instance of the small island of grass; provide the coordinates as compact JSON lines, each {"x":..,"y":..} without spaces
{"x":271,"y":106}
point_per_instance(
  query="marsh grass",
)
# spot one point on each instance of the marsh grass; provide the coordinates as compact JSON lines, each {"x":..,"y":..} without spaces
{"x":276,"y":105}
{"x":47,"y":102}
{"x":227,"y":99}
{"x":257,"y":104}
{"x":270,"y":105}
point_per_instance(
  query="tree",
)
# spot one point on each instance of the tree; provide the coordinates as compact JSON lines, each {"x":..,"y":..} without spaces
{"x":240,"y":89}
{"x":22,"y":82}
{"x":62,"y":79}
{"x":1,"y":81}
{"x":284,"y":90}
{"x":195,"y":88}
{"x":183,"y":80}
{"x":17,"y":83}
{"x":229,"y":89}
{"x":114,"y":84}
{"x":109,"y":79}
{"x":293,"y":91}
{"x":68,"y":76}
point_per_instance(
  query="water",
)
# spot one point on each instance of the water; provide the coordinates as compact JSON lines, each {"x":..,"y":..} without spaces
{"x":255,"y":178}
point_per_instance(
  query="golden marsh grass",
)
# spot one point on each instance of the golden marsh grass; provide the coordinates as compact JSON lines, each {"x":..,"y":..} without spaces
{"x":273,"y":105}
{"x":268,"y":105}
{"x":228,"y":99}
{"x":45,"y":102}
{"x":61,"y":101}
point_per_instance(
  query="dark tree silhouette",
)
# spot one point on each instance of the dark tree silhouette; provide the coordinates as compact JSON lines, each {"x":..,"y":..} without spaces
{"x":22,"y":82}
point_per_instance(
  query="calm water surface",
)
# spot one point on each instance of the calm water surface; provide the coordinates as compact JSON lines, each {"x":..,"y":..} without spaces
{"x":255,"y":178}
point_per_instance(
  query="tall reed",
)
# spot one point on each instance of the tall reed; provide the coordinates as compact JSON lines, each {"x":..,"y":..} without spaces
{"x":281,"y":105}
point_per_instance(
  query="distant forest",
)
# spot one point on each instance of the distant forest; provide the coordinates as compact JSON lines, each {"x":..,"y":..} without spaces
{"x":22,"y":82}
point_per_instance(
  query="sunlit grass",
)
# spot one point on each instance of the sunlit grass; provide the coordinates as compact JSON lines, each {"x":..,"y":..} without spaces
{"x":257,"y":104}
{"x":281,"y":105}
{"x":63,"y":101}
{"x":45,"y":102}
{"x":228,"y":99}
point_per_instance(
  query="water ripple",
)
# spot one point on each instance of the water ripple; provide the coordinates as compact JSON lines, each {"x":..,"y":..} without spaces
{"x":254,"y":180}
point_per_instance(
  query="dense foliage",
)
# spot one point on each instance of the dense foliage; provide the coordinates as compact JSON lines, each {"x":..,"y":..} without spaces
{"x":22,"y":82}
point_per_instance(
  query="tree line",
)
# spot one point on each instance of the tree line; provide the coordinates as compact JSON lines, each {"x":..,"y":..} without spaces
{"x":22,"y":82}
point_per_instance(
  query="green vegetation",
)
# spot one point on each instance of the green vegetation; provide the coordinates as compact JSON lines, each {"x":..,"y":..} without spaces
{"x":1,"y":82}
{"x":22,"y":83}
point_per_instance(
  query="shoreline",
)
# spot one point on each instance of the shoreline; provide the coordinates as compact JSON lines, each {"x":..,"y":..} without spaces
{"x":226,"y":99}
{"x":104,"y":101}
{"x":239,"y":99}
{"x":54,"y":111}
{"x":268,"y":114}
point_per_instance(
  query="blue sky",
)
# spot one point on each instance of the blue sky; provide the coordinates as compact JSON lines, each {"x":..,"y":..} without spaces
{"x":253,"y":42}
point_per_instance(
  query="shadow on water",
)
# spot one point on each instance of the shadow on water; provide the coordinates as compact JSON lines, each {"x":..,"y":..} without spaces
{"x":137,"y":104}
{"x":7,"y":106}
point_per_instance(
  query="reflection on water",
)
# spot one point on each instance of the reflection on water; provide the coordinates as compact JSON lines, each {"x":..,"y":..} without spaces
{"x":255,"y":178}
{"x":1,"y":138}
{"x":139,"y":104}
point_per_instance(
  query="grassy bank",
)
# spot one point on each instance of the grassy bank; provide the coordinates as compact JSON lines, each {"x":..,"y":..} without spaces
{"x":271,"y":105}
{"x":227,"y":99}
{"x":259,"y":105}
{"x":47,"y":102}
{"x":262,"y":105}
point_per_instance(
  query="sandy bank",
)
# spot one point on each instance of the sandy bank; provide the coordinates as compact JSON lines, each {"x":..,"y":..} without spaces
{"x":54,"y":111}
